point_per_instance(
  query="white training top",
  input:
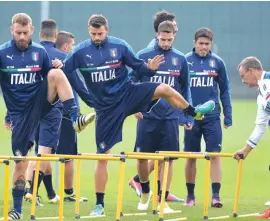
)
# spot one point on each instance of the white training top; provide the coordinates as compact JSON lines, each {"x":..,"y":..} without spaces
{"x":263,"y":111}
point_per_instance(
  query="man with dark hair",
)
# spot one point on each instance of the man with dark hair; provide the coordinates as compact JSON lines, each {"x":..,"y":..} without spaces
{"x":47,"y":135}
{"x":158,"y":130}
{"x":30,"y":86}
{"x":101,"y":61}
{"x":65,"y":41}
{"x":134,"y":182}
{"x":208,"y":80}
{"x":68,"y":138}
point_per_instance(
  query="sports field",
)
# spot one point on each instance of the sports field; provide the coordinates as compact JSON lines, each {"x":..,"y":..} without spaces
{"x":254,"y":189}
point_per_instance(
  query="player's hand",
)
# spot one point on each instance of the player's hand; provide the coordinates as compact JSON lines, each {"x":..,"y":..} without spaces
{"x":226,"y":126}
{"x":188,"y":126}
{"x":8,"y":125}
{"x":243,"y":153}
{"x":57,"y":63}
{"x":155,"y":62}
{"x":138,"y":116}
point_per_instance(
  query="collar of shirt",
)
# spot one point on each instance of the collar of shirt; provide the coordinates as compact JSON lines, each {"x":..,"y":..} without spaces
{"x":262,"y":77}
{"x":48,"y":44}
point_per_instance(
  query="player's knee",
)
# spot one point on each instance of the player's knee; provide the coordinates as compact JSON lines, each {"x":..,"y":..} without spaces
{"x":55,"y":75}
{"x":163,"y":90}
{"x":102,"y":163}
{"x":19,"y":184}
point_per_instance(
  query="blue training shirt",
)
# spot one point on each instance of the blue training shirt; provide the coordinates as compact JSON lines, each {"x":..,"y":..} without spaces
{"x":173,"y":72}
{"x":21,"y":74}
{"x":208,"y":77}
{"x":99,"y":74}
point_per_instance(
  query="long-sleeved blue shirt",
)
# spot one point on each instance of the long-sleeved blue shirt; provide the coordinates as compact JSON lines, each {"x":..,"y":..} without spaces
{"x":173,"y":72}
{"x":99,"y":74}
{"x":21,"y":74}
{"x":208,"y":78}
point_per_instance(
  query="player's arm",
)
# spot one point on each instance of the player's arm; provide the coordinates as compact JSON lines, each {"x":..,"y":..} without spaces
{"x":262,"y":119}
{"x":46,"y":64}
{"x":72,"y":71}
{"x":225,"y":97}
{"x":184,"y":82}
{"x":140,"y":66}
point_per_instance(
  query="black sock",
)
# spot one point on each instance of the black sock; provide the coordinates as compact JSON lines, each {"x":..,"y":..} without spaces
{"x":69,"y":191}
{"x":40,"y":178}
{"x":71,"y":109}
{"x":190,"y":189}
{"x":190,"y":111}
{"x":158,"y":187}
{"x":166,"y":195}
{"x":100,"y":199}
{"x":136,"y":178}
{"x":216,"y":189}
{"x":145,"y":186}
{"x":47,"y":180}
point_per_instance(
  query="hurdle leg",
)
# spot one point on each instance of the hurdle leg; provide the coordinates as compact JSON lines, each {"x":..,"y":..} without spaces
{"x":237,"y":191}
{"x":120,"y":189}
{"x":164,"y":187}
{"x":34,"y":196}
{"x":6,"y":190}
{"x":154,"y":199}
{"x":61,"y":189}
{"x":78,"y":189}
{"x":206,"y":187}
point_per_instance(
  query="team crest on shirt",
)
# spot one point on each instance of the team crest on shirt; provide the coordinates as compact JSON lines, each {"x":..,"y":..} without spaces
{"x":113,"y":52}
{"x":175,"y":61}
{"x":35,"y":56}
{"x":212,"y":63}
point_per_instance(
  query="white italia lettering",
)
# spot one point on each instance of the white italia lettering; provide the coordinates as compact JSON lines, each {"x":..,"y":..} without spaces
{"x":100,"y":76}
{"x":201,"y":81}
{"x":163,"y":79}
{"x":24,"y":78}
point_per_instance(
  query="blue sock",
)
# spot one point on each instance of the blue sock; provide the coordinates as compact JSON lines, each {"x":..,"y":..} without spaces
{"x":17,"y":195}
{"x":71,"y":109}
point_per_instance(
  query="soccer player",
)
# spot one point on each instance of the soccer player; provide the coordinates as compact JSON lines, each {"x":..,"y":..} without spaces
{"x":157,"y":130}
{"x":208,"y":80}
{"x":29,"y":86}
{"x":134,"y":182}
{"x":253,"y":75}
{"x":101,"y":61}
{"x":48,"y":132}
{"x":68,"y":138}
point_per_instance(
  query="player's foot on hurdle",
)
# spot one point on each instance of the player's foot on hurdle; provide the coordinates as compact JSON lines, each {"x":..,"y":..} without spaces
{"x":216,"y":203}
{"x":72,"y":198}
{"x":190,"y":201}
{"x":98,"y":211}
{"x":82,"y":121}
{"x":28,"y":198}
{"x":173,"y":198}
{"x":13,"y":215}
{"x":203,"y":109}
{"x":54,"y":200}
{"x":144,"y":200}
{"x":167,"y":208}
{"x":264,"y":215}
{"x":136,"y":186}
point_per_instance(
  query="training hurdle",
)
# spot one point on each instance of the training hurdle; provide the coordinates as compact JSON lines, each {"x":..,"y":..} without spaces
{"x":90,"y":156}
{"x":6,"y":188}
{"x":207,"y":183}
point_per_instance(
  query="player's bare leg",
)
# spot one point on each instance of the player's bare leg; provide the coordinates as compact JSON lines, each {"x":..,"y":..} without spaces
{"x":190,"y":172}
{"x":216,"y":174}
{"x":58,"y":84}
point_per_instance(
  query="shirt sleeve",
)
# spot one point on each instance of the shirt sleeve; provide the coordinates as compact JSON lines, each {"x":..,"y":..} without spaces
{"x":47,"y":64}
{"x":261,"y":122}
{"x":225,"y":96}
{"x":72,"y":71}
{"x":135,"y":62}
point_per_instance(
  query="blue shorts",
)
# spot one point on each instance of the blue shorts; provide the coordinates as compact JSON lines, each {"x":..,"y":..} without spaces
{"x":49,"y":129}
{"x":68,"y":138}
{"x":210,"y":130}
{"x":157,"y":135}
{"x":25,"y":125}
{"x":109,"y":123}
